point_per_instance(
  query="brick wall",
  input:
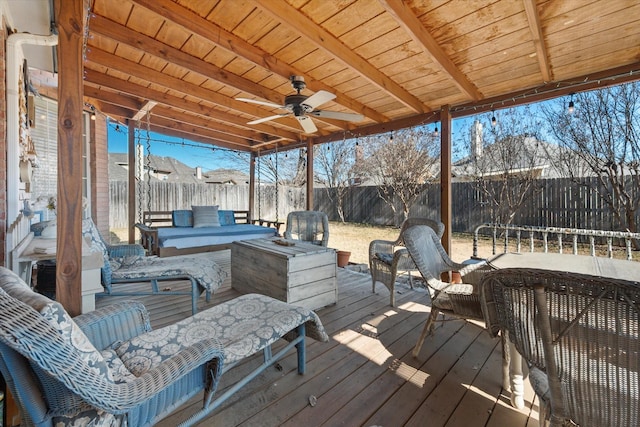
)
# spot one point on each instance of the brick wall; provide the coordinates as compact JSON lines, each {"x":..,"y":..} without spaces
{"x":100,"y":174}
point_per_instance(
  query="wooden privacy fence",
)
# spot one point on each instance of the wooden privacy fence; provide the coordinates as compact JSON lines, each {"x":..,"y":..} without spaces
{"x":165,"y":196}
{"x":555,"y":203}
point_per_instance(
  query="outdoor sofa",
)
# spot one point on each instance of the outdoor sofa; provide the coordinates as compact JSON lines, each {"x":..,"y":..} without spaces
{"x":200,"y":229}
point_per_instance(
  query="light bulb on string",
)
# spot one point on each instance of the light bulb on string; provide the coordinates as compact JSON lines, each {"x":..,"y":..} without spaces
{"x":571,"y":107}
{"x":494,"y":122}
{"x":435,"y":130}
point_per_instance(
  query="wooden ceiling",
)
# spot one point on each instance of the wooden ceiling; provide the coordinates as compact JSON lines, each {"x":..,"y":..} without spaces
{"x":180,"y":65}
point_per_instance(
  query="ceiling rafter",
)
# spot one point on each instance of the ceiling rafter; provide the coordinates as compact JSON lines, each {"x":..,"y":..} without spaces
{"x":145,"y":110}
{"x":327,"y":42}
{"x":538,"y":39}
{"x":228,"y":41}
{"x":114,"y":83}
{"x":148,"y":45}
{"x":412,"y":26}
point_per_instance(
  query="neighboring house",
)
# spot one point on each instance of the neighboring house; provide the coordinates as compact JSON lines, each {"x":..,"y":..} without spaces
{"x":518,"y":155}
{"x":171,"y":170}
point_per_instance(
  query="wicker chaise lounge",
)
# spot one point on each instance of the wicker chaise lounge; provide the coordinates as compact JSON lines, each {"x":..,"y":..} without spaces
{"x":108,"y":368}
{"x":128,"y":264}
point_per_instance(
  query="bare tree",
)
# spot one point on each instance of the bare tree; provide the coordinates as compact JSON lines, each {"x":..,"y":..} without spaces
{"x":601,"y":138}
{"x":400,"y":164}
{"x":334,"y":169}
{"x":506,"y":161}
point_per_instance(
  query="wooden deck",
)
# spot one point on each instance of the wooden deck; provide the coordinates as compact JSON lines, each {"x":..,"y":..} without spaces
{"x":365,"y":376}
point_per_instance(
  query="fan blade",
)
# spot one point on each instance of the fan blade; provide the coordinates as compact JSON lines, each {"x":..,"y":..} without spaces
{"x":256,"y":101}
{"x":307,"y":124}
{"x":266,"y":119}
{"x":336,"y":115}
{"x":318,"y":99}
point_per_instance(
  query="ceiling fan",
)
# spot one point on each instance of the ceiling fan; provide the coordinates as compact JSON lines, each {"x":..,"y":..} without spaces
{"x":302,"y":107}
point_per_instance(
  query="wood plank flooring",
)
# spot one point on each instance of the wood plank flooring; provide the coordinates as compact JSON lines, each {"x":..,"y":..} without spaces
{"x":366,"y":375}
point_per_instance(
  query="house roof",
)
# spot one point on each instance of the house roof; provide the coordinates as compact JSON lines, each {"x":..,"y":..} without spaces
{"x":397,"y":63}
{"x":515,"y":155}
{"x":174,"y":171}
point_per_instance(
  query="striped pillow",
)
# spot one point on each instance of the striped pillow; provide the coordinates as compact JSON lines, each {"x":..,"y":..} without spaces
{"x":205,"y":216}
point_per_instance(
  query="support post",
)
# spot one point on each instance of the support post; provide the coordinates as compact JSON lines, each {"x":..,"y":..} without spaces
{"x":309,"y":174}
{"x":131,"y":158}
{"x":445,"y":176}
{"x":70,"y":19}
{"x":252,"y":185}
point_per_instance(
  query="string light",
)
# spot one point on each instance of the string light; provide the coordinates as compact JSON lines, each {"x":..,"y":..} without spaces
{"x":571,"y":108}
{"x":435,"y":130}
{"x":391,"y":137}
{"x":493,"y":118}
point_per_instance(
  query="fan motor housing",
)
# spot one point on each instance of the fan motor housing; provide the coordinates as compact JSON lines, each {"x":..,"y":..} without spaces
{"x":295,"y":104}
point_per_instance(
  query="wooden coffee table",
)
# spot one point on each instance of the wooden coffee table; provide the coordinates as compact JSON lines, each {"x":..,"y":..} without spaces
{"x":302,"y":274}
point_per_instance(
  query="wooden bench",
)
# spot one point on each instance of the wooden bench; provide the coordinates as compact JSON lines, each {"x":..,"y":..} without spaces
{"x":154,"y":220}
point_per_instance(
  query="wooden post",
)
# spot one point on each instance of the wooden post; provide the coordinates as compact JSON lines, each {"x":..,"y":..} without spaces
{"x":445,"y":176}
{"x":309,"y":174}
{"x":252,"y":184}
{"x":131,"y":156}
{"x":70,"y":19}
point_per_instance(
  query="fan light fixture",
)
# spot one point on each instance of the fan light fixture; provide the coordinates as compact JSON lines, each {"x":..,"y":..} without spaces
{"x":303,"y":107}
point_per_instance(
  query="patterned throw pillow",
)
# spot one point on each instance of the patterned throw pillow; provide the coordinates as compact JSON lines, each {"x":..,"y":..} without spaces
{"x":57,"y":317}
{"x":182,"y":218}
{"x":226,"y":217}
{"x":205,"y":216}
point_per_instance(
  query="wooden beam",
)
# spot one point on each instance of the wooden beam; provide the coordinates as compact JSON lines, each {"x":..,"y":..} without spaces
{"x":142,"y":113}
{"x":445,"y":177}
{"x":103,"y":80}
{"x":290,"y":16}
{"x":70,"y":19}
{"x":131,"y":173}
{"x":531,"y":9}
{"x":196,"y":24}
{"x":192,"y":129}
{"x":118,"y":63}
{"x":112,"y":97}
{"x":412,"y":26}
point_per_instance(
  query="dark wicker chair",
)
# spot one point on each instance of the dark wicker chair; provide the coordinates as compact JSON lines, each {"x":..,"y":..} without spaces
{"x":388,"y":259}
{"x":579,"y":336}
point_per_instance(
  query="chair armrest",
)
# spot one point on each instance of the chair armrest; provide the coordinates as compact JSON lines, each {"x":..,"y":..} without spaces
{"x":121,"y":251}
{"x":376,"y":246}
{"x":115,"y":322}
{"x":148,"y":238}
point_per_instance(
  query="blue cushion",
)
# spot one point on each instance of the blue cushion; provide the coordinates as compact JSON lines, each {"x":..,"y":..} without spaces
{"x":205,"y":216}
{"x":226,"y":217}
{"x":182,"y":218}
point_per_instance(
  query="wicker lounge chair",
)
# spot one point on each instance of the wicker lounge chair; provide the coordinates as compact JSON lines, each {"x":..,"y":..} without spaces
{"x":108,"y":368}
{"x":461,"y":300}
{"x":308,"y":226}
{"x":580,"y":336}
{"x":128,"y":264}
{"x":388,"y":259}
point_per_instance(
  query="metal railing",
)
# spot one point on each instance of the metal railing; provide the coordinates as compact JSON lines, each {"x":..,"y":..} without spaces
{"x":537,"y":234}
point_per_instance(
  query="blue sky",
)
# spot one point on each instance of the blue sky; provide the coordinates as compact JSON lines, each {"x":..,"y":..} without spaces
{"x":188,"y":152}
{"x":208,"y":157}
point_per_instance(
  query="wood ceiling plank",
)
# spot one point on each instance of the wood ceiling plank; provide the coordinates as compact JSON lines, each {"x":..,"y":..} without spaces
{"x":371,"y":30}
{"x":300,"y":23}
{"x":322,"y":10}
{"x":254,"y":27}
{"x":350,"y":17}
{"x":118,"y":14}
{"x":412,"y":25}
{"x":144,"y":23}
{"x":230,"y":13}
